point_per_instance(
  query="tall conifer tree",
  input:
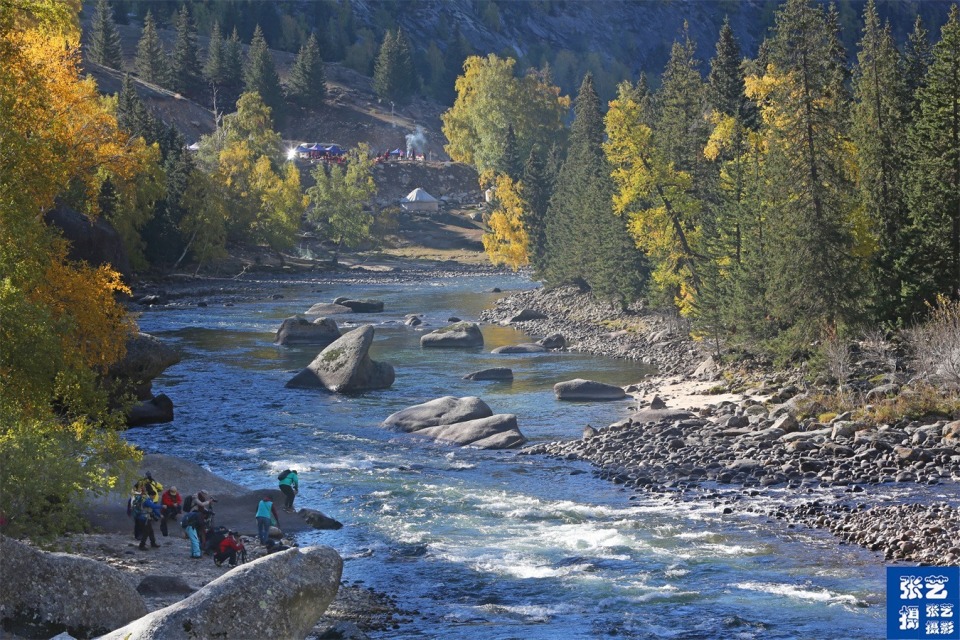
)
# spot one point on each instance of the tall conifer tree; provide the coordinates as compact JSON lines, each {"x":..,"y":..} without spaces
{"x":232,"y":72}
{"x":916,"y":61}
{"x":932,"y":263}
{"x":260,"y":74}
{"x":152,"y":62}
{"x":535,"y":189}
{"x":393,"y":75}
{"x":815,"y":275}
{"x":104,"y":38}
{"x":878,"y":130}
{"x":307,"y":82}
{"x":185,"y":62}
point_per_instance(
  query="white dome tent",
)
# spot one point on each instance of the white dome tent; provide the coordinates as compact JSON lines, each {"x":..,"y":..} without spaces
{"x":419,"y":200}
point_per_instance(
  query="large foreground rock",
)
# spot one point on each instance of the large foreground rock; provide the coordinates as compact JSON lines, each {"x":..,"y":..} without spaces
{"x":461,"y":334}
{"x":277,"y":596}
{"x":495,"y":432}
{"x":297,"y":330}
{"x":345,"y":366}
{"x":43,"y":594}
{"x":445,"y":410}
{"x":580,"y":389}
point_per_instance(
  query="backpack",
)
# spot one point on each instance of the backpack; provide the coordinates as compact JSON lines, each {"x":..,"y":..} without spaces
{"x":192,"y":519}
{"x":283,"y":474}
{"x":137,"y":505}
{"x":188,"y":504}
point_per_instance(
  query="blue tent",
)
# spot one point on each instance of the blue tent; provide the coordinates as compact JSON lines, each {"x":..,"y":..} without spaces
{"x":396,"y":152}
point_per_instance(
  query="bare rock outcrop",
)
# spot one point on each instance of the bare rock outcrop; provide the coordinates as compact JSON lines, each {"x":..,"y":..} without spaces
{"x":281,"y":595}
{"x":43,"y":594}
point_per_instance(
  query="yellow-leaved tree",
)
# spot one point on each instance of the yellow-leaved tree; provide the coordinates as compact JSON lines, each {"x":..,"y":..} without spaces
{"x":507,"y":241}
{"x":60,"y":325}
{"x":657,"y":197}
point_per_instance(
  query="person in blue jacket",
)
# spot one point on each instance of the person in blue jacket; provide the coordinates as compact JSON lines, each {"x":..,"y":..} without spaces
{"x":290,"y":485}
{"x":146,"y":511}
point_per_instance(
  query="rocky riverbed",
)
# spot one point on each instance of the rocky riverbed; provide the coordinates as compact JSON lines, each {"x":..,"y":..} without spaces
{"x":766,"y":444}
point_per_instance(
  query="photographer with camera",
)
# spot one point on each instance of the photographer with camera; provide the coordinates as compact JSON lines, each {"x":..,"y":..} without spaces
{"x":202,"y":503}
{"x":145,"y":511}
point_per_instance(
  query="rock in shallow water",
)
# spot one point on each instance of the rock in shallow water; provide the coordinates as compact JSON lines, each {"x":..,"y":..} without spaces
{"x":297,"y":330}
{"x":459,"y":335}
{"x":580,"y":389}
{"x":445,"y":410}
{"x":345,"y":366}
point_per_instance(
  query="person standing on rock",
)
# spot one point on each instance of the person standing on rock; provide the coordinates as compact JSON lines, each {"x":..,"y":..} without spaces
{"x":191,"y":523}
{"x":146,"y":511}
{"x":171,"y":505}
{"x":290,"y":485}
{"x":266,"y":514}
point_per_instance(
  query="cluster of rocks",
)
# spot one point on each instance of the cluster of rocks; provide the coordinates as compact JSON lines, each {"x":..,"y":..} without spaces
{"x":753,"y":447}
{"x":464,"y":422}
{"x":923,"y":533}
{"x":585,"y":323}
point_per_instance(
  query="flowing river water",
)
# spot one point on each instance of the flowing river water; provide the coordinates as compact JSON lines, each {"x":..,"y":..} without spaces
{"x":489,"y":544}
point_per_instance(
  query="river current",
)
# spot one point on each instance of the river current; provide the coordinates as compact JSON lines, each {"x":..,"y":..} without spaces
{"x":489,"y":544}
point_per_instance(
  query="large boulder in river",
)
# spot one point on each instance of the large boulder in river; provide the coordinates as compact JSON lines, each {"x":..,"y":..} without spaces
{"x":156,"y":410}
{"x":496,"y":373}
{"x":319,"y":520}
{"x":145,"y":359}
{"x":461,"y":334}
{"x":367,"y":305}
{"x":345,"y":366}
{"x":281,"y":595}
{"x":495,"y":432}
{"x":580,"y":389}
{"x":297,"y":330}
{"x":523,"y":347}
{"x":43,"y":594}
{"x":327,"y":309}
{"x":445,"y":410}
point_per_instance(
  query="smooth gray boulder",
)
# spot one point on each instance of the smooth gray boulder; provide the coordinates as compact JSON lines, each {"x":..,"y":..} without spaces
{"x":298,"y":330}
{"x":553,"y":341}
{"x":523,"y":347}
{"x":580,"y":389}
{"x":526,"y":314}
{"x":146,"y":358}
{"x":496,"y":373}
{"x":412,"y":320}
{"x":494,"y":432}
{"x":281,"y":595}
{"x":458,"y":335}
{"x":46,"y":593}
{"x":319,"y":520}
{"x":445,"y":410}
{"x":366,"y":305}
{"x":156,"y":410}
{"x":660,"y":415}
{"x":345,"y":366}
{"x":327,"y":309}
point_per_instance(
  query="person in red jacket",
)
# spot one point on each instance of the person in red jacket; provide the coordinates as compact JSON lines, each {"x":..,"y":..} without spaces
{"x":171,"y":506}
{"x":229,"y":549}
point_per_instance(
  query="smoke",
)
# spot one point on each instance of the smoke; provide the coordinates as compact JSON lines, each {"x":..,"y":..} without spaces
{"x":416,"y":142}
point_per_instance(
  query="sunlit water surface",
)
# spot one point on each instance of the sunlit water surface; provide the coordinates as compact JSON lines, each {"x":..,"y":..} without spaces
{"x":489,"y":544}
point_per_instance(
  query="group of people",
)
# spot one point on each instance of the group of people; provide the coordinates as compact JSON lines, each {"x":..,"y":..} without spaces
{"x":149,"y":503}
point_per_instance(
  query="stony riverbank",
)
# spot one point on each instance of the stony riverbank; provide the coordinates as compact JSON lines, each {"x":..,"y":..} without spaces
{"x":752,"y":439}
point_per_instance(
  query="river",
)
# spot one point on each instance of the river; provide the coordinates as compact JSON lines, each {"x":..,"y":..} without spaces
{"x":489,"y":544}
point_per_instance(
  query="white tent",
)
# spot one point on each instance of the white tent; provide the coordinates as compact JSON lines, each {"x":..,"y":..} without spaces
{"x":420,"y":200}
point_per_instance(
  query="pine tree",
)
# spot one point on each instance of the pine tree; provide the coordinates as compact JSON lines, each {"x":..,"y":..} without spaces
{"x":232,"y":85}
{"x":152,"y":62}
{"x":260,"y":74}
{"x":306,"y":84}
{"x":132,"y":115}
{"x":681,"y":130}
{"x":185,"y":65}
{"x":815,"y":276}
{"x":916,"y":61}
{"x":215,"y":64}
{"x":726,"y":88}
{"x":932,"y":260}
{"x":511,"y":163}
{"x":585,"y":240}
{"x":104,"y":38}
{"x":535,"y":189}
{"x":393,"y":74}
{"x":878,"y":130}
